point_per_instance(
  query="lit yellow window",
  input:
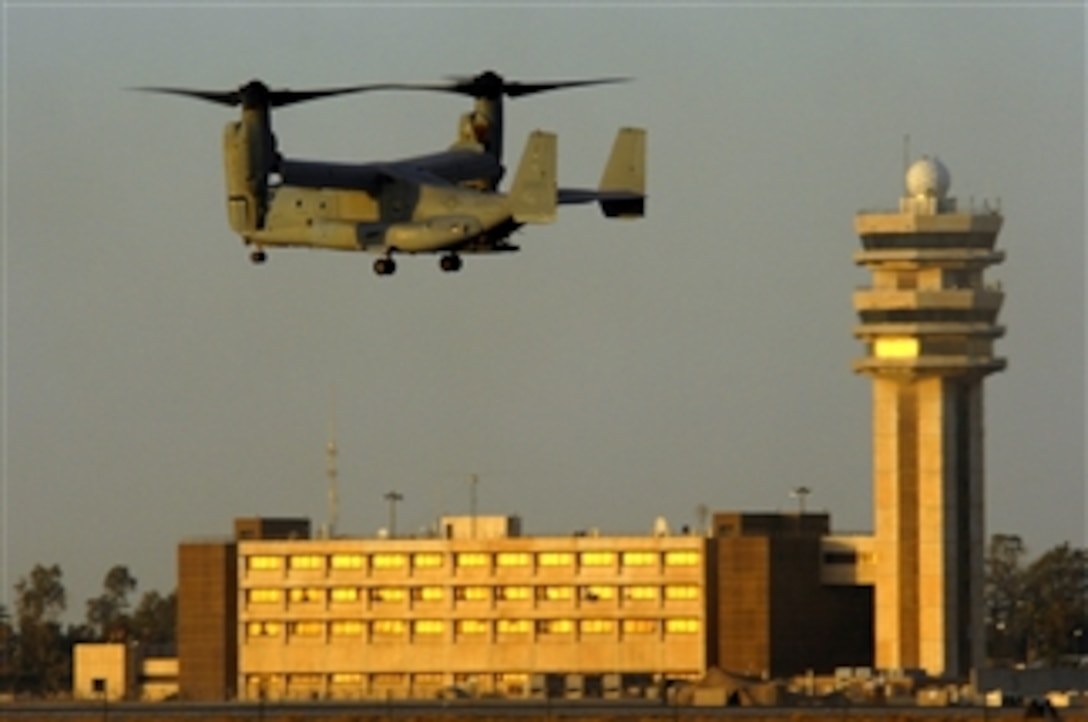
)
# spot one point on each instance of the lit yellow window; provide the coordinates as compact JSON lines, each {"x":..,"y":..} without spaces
{"x":429,"y":560}
{"x":306,"y":594}
{"x":306,"y":561}
{"x":597,"y":559}
{"x":264,"y":563}
{"x":639,"y":559}
{"x":471,"y":626}
{"x":264,"y":629}
{"x":265,"y":596}
{"x":598,"y":592}
{"x":346,"y":628}
{"x":896,"y":347}
{"x":596,"y":626}
{"x":681,"y":591}
{"x":682,"y":558}
{"x":347,"y":561}
{"x":428,"y":594}
{"x":306,"y":629}
{"x":556,"y":626}
{"x":472,"y":559}
{"x":682,"y":626}
{"x":640,"y":593}
{"x":554,"y":594}
{"x":389,"y":561}
{"x":353,"y":678}
{"x":388,"y":626}
{"x":388,"y":594}
{"x":555,"y":559}
{"x":473,"y":594}
{"x":639,"y":626}
{"x":514,"y":593}
{"x":428,"y":626}
{"x":513,"y":626}
{"x":512,"y":559}
{"x":344,"y":594}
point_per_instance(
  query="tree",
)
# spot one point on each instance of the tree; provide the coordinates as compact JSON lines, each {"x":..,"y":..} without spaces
{"x":107,"y":614}
{"x":1037,"y":613}
{"x":42,"y":664}
{"x":155,"y":619}
{"x":1056,"y":590}
{"x":7,"y":651}
{"x":1003,"y":596}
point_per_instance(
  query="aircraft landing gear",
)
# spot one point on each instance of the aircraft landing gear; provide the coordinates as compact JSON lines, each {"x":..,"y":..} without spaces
{"x":258,"y":257}
{"x":450,"y":263}
{"x":385,"y":266}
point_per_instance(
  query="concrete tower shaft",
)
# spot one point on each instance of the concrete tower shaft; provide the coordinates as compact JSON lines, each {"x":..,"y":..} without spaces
{"x":928,"y":323}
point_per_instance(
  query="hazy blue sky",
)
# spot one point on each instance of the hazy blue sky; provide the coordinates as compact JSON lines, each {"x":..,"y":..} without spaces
{"x":156,"y":384}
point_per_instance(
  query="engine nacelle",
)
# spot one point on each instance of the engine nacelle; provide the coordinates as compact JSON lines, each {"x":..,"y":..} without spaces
{"x":242,"y":201}
{"x":249,"y":154}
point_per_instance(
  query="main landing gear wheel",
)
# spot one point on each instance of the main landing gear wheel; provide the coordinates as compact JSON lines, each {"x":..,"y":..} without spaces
{"x":258,"y":257}
{"x":385,"y":266}
{"x":450,"y":263}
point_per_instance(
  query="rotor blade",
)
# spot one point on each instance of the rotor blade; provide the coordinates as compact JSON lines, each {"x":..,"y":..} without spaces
{"x":490,"y":84}
{"x":256,"y":94}
{"x":515,"y":89}
{"x":280,"y":98}
{"x":228,"y":98}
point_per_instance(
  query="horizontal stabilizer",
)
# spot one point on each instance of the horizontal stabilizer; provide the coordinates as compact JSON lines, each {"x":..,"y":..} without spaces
{"x":533,"y":195}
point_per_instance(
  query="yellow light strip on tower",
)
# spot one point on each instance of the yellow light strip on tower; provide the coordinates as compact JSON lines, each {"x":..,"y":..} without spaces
{"x":896,"y":347}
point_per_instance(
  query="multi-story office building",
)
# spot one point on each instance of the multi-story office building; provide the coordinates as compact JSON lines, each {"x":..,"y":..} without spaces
{"x":493,"y":612}
{"x":481,"y":609}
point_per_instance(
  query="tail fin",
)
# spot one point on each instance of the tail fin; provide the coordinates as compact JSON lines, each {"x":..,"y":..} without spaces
{"x":533,"y":194}
{"x":624,"y":176}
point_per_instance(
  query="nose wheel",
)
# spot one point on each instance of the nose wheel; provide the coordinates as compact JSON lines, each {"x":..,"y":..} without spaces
{"x":450,"y":263}
{"x":385,"y":266}
{"x":258,"y":257}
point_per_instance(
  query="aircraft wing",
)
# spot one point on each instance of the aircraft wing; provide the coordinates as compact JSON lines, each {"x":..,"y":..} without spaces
{"x":448,"y":167}
{"x":318,"y":174}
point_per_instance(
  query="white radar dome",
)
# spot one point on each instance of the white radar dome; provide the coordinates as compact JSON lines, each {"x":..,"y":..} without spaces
{"x":928,"y":178}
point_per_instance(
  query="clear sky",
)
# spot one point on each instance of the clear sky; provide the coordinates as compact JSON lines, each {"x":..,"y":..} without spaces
{"x":156,"y":384}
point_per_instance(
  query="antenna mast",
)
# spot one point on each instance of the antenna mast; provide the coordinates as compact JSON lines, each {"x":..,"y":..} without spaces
{"x":473,"y":480}
{"x":331,"y":470}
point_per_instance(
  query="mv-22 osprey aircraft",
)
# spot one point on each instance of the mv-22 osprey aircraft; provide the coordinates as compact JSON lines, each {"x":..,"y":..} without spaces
{"x":446,"y":202}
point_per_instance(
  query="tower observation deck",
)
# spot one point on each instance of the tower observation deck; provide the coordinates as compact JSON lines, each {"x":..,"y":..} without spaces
{"x":928,"y":324}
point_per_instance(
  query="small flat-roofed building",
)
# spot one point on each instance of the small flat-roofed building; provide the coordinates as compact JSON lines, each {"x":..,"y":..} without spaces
{"x":104,"y":671}
{"x":115,"y":671}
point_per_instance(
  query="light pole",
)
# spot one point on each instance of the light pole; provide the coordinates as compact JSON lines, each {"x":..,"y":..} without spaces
{"x":393,"y":497}
{"x":800,"y":493}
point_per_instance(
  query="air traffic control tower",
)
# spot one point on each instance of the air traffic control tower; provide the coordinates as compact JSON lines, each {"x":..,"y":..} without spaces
{"x":928,"y":322}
